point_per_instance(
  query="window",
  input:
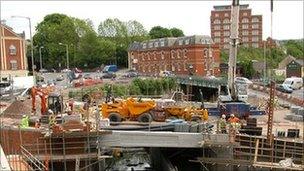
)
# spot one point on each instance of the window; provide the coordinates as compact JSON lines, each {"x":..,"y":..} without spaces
{"x":162,"y":54}
{"x":155,"y":44}
{"x":226,"y":27}
{"x":217,"y":40}
{"x":245,"y":33}
{"x":226,"y":33}
{"x":255,"y":39}
{"x":12,"y":50}
{"x":217,"y":33}
{"x":205,"y":53}
{"x":245,"y":39}
{"x":245,"y":14}
{"x":245,"y":20}
{"x":255,"y":19}
{"x":217,"y":27}
{"x":180,"y":42}
{"x":255,"y":45}
{"x":226,"y":14}
{"x":226,"y":39}
{"x":255,"y":32}
{"x":14,"y":65}
{"x":185,"y":66}
{"x":178,"y":53}
{"x":245,"y":26}
{"x":255,"y":26}
{"x":172,"y":54}
{"x":185,"y":53}
{"x":154,"y":54}
{"x":144,"y":45}
{"x":226,"y":21}
{"x":150,"y":44}
{"x":162,"y":43}
{"x":216,"y":15}
{"x":217,"y":21}
{"x":187,"y":41}
{"x":245,"y":44}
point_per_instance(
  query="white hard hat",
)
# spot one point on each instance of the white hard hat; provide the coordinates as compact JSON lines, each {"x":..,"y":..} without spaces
{"x":50,"y":111}
{"x":232,"y":115}
{"x":223,"y":116}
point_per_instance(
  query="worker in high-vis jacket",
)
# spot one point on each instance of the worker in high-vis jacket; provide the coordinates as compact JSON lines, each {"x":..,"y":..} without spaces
{"x":52,"y":118}
{"x":222,"y":125}
{"x":24,"y":121}
{"x":234,"y":122}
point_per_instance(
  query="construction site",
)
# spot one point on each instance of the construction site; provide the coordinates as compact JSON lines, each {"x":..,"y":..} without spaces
{"x":45,"y":128}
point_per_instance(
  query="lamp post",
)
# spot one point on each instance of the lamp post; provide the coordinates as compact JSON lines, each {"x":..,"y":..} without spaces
{"x":40,"y":58}
{"x":67,"y":53}
{"x":32,"y":46}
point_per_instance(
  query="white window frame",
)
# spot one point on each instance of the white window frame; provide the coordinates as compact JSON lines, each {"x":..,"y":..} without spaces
{"x":12,"y":50}
{"x":14,"y":65}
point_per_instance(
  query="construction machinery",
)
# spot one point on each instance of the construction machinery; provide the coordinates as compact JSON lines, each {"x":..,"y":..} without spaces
{"x":187,"y":113}
{"x":49,"y":99}
{"x":129,"y":109}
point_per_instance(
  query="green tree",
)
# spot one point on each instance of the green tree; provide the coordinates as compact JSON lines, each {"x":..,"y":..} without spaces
{"x":295,"y":48}
{"x":159,"y":32}
{"x":121,"y":34}
{"x":176,"y":32}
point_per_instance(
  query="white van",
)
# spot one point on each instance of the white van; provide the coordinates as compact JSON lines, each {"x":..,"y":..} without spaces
{"x":294,"y":82}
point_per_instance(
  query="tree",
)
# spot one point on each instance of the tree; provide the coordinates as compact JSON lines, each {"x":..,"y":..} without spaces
{"x":176,"y":32}
{"x":122,"y":34}
{"x":295,"y":48}
{"x":159,"y":32}
{"x":53,"y":29}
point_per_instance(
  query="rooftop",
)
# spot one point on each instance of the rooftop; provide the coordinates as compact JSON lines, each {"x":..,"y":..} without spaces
{"x":171,"y":41}
{"x":228,"y":7}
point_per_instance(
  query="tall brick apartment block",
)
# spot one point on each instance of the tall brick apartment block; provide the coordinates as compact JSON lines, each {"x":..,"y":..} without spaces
{"x":250,"y":26}
{"x":13,"y":54}
{"x":176,"y":55}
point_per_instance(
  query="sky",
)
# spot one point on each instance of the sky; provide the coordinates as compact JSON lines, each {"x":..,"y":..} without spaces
{"x":193,"y":17}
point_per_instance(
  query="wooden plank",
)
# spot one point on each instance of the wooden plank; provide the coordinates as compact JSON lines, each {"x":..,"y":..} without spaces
{"x":256,"y":150}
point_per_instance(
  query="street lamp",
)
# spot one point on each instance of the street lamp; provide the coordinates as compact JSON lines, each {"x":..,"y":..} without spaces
{"x":40,"y":58}
{"x":32,"y":49}
{"x":67,"y":53}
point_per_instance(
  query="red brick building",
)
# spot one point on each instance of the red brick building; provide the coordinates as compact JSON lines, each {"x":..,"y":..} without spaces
{"x":250,"y":26}
{"x":13,"y":54}
{"x":176,"y":55}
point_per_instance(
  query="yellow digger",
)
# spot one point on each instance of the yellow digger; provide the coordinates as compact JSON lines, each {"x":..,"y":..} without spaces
{"x":187,"y":113}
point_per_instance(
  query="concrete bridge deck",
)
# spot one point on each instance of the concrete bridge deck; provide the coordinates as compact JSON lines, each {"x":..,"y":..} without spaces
{"x":162,"y":139}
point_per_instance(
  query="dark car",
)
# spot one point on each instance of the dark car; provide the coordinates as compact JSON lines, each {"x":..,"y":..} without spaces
{"x":109,"y":75}
{"x":131,"y":74}
{"x":284,"y":88}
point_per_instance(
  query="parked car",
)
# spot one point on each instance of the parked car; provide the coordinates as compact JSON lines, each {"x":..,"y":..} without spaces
{"x":242,"y":80}
{"x":87,"y":76}
{"x":284,"y":88}
{"x":5,"y":88}
{"x":166,"y":74}
{"x":43,"y":70}
{"x":110,"y":68}
{"x":109,"y":75}
{"x":130,"y":74}
{"x":60,"y":78}
{"x":294,"y":82}
{"x":65,"y":70}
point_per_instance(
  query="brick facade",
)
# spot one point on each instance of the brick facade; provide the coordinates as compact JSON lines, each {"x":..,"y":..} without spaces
{"x":13,"y":54}
{"x":176,"y":55}
{"x":250,"y":26}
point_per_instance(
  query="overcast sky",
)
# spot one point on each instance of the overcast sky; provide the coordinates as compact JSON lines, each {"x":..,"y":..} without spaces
{"x":192,"y":17}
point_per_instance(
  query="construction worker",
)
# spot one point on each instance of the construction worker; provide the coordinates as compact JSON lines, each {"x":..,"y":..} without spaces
{"x":37,"y":123}
{"x":234,"y":122}
{"x":24,"y":122}
{"x":222,"y":124}
{"x":52,"y":118}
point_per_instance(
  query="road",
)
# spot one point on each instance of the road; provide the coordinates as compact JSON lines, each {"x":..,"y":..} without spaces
{"x":298,"y":93}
